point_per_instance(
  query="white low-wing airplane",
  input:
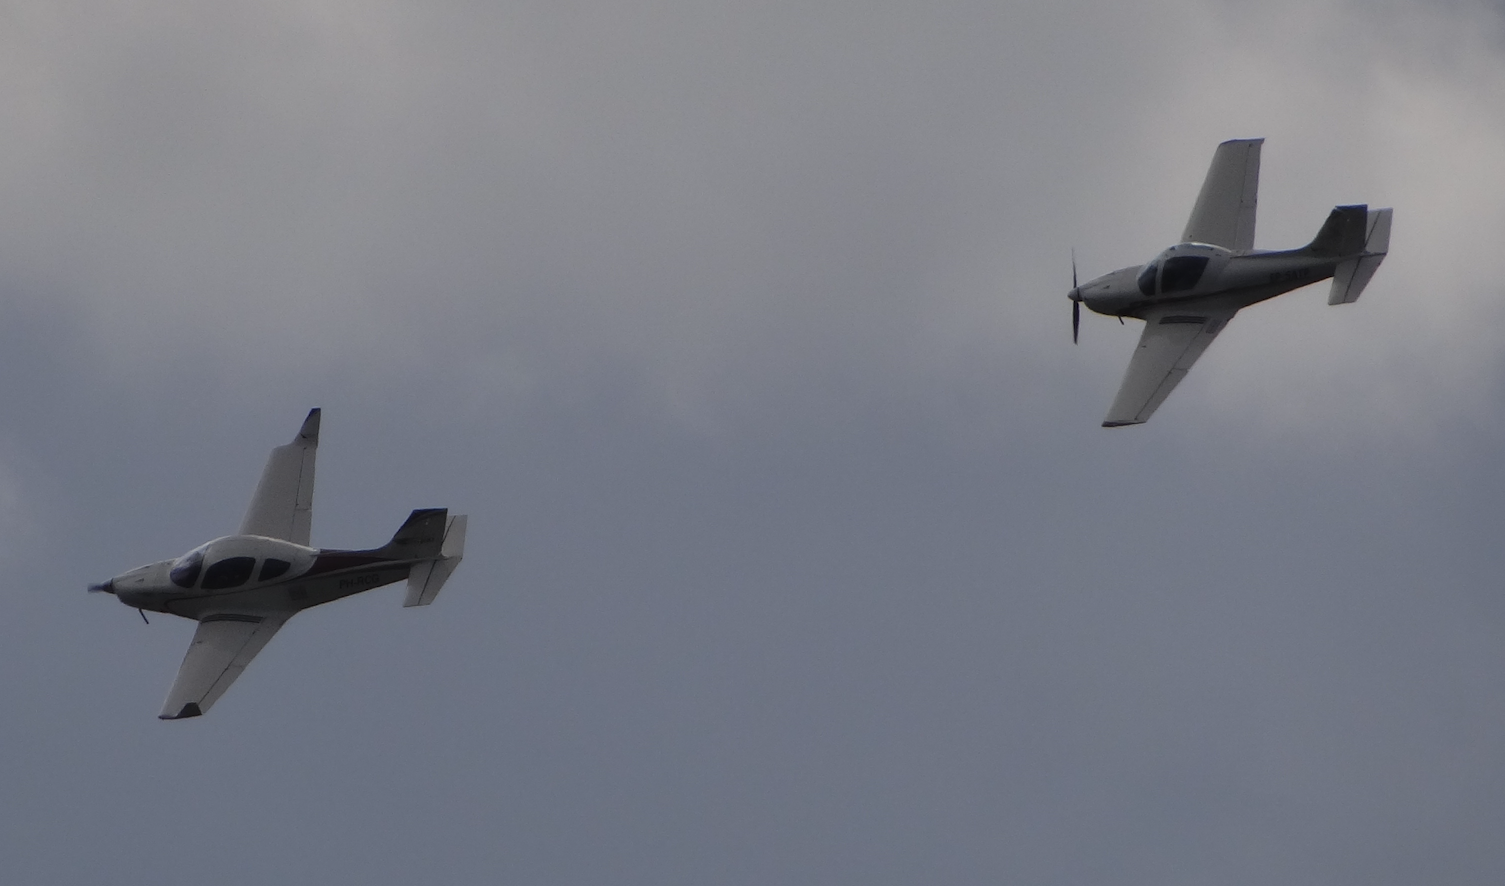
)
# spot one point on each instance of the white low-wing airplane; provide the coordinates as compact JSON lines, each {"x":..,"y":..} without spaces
{"x":1188,"y":293}
{"x":242,"y":588}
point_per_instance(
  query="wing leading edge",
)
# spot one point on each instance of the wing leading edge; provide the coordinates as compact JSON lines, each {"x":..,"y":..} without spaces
{"x":223,"y":645}
{"x":1173,"y":338}
{"x":1224,"y":214}
{"x":284,"y":501}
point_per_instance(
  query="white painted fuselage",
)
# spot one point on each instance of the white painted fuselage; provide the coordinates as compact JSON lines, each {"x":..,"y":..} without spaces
{"x":249,"y":572}
{"x":1226,"y":279}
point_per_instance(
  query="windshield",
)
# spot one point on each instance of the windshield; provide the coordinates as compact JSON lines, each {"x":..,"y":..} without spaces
{"x":185,"y":571}
{"x":1147,"y":278}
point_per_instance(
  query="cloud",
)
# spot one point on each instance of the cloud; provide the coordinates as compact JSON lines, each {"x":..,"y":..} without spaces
{"x":740,"y":330}
{"x":722,"y":200}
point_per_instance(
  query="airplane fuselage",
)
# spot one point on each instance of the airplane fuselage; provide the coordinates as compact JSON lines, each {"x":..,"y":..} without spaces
{"x":248,"y":572}
{"x":1198,"y":271}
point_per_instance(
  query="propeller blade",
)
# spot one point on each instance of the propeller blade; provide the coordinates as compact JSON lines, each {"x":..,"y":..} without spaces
{"x":1076,"y":299}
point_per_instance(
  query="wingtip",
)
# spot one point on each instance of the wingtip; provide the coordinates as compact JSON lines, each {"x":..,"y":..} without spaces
{"x":188,"y":710}
{"x":309,"y":433}
{"x":1120,"y":424}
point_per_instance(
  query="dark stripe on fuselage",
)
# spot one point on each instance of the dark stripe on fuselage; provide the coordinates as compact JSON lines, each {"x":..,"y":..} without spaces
{"x":334,"y":561}
{"x":1179,"y":318}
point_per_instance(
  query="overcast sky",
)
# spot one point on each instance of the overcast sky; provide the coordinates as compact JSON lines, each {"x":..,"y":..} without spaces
{"x":796,"y":553}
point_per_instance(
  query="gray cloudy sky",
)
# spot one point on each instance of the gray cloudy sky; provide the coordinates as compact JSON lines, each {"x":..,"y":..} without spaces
{"x":797,"y":554}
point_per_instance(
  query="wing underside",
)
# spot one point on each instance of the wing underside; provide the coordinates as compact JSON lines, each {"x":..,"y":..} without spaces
{"x":1173,"y":339}
{"x":1224,"y":214}
{"x":222,"y":646}
{"x":283,"y":504}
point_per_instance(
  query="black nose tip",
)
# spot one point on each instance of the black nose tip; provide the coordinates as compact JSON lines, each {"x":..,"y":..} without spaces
{"x":107,"y":587}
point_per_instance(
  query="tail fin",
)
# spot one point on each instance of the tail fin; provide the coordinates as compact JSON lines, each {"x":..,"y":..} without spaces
{"x":421,"y":536}
{"x":1342,"y":234}
{"x":1353,"y":274}
{"x":425,"y":579}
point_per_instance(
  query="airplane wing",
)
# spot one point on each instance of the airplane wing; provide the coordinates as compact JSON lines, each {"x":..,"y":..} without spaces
{"x":1174,"y":337}
{"x":223,"y":645}
{"x":1224,"y":214}
{"x":284,"y":501}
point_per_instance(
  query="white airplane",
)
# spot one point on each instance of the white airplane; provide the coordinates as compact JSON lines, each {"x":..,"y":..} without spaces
{"x":241,"y":588}
{"x":1188,"y":293}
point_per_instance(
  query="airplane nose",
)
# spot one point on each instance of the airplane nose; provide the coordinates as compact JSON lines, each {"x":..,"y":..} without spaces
{"x":106,"y":587}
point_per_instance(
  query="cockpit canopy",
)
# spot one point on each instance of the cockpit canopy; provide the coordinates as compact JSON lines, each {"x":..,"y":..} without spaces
{"x":1178,"y":269}
{"x":236,"y":561}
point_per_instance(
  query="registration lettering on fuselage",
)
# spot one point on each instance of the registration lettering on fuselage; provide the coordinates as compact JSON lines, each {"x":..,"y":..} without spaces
{"x":1290,"y":276}
{"x":364,"y":580}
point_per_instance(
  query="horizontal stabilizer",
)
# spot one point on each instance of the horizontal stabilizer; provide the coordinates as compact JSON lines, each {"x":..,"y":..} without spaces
{"x":1352,"y":275}
{"x":426,"y":579}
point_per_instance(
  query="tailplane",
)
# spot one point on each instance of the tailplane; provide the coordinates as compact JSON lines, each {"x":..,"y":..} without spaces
{"x":426,"y":579}
{"x":1353,"y":274}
